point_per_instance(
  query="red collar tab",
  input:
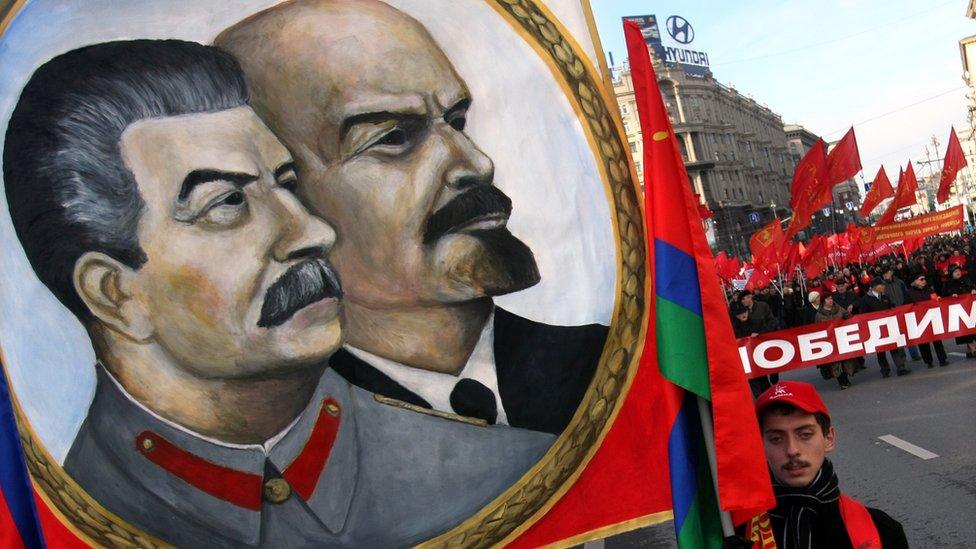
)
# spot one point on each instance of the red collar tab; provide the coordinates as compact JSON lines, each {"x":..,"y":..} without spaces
{"x":241,"y":488}
{"x":303,"y":473}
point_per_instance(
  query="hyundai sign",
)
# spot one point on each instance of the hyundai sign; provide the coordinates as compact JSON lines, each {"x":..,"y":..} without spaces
{"x":673,"y":44}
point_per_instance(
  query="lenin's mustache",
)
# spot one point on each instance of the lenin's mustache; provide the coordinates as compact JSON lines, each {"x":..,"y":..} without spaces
{"x":301,"y":285}
{"x":480,"y":201}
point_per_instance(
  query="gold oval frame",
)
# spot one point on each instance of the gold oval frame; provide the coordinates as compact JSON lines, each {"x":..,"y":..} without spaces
{"x":533,"y":495}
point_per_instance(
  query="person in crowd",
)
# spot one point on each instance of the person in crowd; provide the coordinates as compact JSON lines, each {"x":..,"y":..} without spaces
{"x":811,"y":511}
{"x":864,"y":281}
{"x":942,"y":265}
{"x":957,"y":259}
{"x":842,"y":370}
{"x":844,"y":297}
{"x":793,"y":304}
{"x":829,"y":285}
{"x":901,"y":270}
{"x":813,"y":304}
{"x":754,"y":318}
{"x":895,"y":289}
{"x":956,"y":286}
{"x":875,"y":301}
{"x":760,"y":315}
{"x":918,"y":291}
{"x":740,"y":321}
{"x":771,"y":296}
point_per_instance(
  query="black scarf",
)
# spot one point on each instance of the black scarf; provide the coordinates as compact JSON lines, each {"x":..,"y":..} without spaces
{"x":800,"y":507}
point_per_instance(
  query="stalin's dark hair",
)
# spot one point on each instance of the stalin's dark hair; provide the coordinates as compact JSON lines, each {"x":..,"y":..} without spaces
{"x":68,"y":189}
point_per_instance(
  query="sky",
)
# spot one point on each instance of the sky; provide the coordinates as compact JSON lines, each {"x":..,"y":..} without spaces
{"x":891,"y":68}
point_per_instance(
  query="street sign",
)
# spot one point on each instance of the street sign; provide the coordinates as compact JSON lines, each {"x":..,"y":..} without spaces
{"x":754,"y":217}
{"x":850,"y":205}
{"x":826,"y":211}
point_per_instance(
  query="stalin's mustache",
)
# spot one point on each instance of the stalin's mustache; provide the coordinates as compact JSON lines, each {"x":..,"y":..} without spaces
{"x":301,"y":285}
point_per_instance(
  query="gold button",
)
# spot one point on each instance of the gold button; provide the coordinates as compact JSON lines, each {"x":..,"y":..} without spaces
{"x":332,"y":408}
{"x":276,"y":490}
{"x":148,"y":444}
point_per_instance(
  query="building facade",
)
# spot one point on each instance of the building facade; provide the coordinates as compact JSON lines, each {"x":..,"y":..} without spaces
{"x":735,"y":150}
{"x":967,"y":51}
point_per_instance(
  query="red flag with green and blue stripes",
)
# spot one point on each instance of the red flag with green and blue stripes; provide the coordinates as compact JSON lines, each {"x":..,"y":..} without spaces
{"x":693,"y":343}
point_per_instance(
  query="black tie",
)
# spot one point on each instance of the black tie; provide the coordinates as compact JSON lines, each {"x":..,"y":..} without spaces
{"x":471,"y":398}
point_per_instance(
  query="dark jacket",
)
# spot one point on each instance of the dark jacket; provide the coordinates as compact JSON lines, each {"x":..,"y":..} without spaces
{"x":543,"y":371}
{"x":957,"y":286}
{"x":740,"y":328}
{"x":872,"y":304}
{"x":895,"y":290}
{"x":761,"y":317}
{"x":829,"y":530}
{"x":916,"y":295}
{"x":846,"y":298}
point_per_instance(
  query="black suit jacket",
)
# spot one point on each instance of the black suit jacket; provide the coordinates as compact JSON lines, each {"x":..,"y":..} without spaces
{"x":872,"y":304}
{"x":543,"y":371}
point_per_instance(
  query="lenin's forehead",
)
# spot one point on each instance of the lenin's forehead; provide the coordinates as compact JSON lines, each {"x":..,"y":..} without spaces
{"x":335,"y":54}
{"x":357,"y":64}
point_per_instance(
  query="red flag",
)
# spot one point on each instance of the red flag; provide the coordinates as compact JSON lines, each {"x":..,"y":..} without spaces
{"x":854,"y":237}
{"x":904,"y":195}
{"x":759,"y":279}
{"x":880,"y":190}
{"x":792,"y":255}
{"x":743,"y":476}
{"x":703,"y":210}
{"x":807,"y":189}
{"x":955,"y":159}
{"x":727,"y":267}
{"x":765,"y":244}
{"x":843,"y":162}
{"x":909,"y":245}
{"x":815,"y":259}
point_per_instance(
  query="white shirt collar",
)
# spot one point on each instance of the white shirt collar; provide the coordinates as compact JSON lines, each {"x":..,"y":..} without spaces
{"x":436,"y":387}
{"x":265,"y":447}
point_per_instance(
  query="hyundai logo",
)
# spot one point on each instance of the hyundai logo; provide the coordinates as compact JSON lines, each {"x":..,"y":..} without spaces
{"x":680,"y":29}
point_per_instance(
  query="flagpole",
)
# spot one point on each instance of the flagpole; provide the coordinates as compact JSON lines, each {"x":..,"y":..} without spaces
{"x":708,"y":432}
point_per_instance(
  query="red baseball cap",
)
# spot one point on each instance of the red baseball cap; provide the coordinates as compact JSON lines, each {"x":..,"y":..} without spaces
{"x":796,"y":393}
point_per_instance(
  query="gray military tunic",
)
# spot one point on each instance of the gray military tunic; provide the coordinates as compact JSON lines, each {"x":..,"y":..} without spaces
{"x":392,"y":477}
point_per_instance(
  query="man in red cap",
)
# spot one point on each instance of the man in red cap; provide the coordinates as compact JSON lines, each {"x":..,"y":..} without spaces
{"x":811,"y":512}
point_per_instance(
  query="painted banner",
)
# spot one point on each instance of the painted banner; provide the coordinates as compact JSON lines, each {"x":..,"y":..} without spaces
{"x":864,"y":334}
{"x":916,"y":227}
{"x":276,"y":274}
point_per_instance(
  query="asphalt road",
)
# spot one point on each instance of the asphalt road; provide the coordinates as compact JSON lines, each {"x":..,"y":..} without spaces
{"x":934,"y":410}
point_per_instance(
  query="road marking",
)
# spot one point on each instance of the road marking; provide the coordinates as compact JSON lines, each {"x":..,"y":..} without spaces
{"x":908,"y":447}
{"x":953,"y":353}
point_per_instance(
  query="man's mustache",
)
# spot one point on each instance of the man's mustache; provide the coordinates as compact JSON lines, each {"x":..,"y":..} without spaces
{"x":301,"y":285}
{"x":796,"y":463}
{"x":480,"y":201}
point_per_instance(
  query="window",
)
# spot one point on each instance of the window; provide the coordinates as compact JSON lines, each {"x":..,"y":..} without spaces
{"x":626,"y":127}
{"x":623,"y":109}
{"x":633,"y":147}
{"x":726,"y":194}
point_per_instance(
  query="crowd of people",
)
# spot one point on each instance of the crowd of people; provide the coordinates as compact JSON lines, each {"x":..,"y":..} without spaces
{"x":943,"y":266}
